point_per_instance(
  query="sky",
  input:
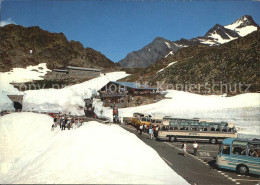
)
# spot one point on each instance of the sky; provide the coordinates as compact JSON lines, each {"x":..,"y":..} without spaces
{"x":116,"y":28}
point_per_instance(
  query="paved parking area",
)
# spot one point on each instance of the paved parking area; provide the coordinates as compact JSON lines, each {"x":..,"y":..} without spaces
{"x":200,"y":169}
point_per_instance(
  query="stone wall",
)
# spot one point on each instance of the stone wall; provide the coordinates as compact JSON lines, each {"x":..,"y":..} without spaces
{"x":75,"y":73}
{"x":58,"y":75}
{"x":72,"y":74}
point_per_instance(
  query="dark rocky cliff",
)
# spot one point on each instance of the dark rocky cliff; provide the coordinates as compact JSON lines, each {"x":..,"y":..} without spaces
{"x":51,"y":48}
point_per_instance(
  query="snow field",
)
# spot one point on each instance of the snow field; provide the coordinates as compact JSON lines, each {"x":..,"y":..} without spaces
{"x":94,"y":153}
{"x":242,"y":110}
{"x":69,"y":99}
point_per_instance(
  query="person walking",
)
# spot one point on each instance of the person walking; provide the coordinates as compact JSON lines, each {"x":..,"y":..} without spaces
{"x":61,"y":122}
{"x":55,"y":121}
{"x":195,"y":147}
{"x":141,"y":129}
{"x":64,"y":123}
{"x":184,"y":148}
{"x":156,"y":131}
{"x":145,"y":128}
{"x":68,"y":123}
{"x":151,"y":132}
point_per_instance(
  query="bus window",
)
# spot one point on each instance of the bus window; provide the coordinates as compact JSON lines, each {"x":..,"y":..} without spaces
{"x":164,"y":128}
{"x":171,"y":127}
{"x":253,"y":151}
{"x":226,"y":149}
{"x":239,"y":150}
{"x":158,"y":121}
{"x":224,"y":130}
{"x":213,"y":129}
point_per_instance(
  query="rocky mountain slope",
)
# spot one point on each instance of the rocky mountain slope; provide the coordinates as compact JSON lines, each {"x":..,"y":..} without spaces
{"x":51,"y":48}
{"x":148,"y":55}
{"x":161,"y":48}
{"x":230,"y":64}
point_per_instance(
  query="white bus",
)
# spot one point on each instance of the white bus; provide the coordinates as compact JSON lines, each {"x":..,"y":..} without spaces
{"x":195,"y":129}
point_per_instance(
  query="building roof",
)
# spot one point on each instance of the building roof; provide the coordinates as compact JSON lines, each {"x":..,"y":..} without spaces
{"x":82,"y":68}
{"x":134,"y":85}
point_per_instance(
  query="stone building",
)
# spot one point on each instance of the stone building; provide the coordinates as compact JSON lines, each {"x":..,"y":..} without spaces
{"x":75,"y":72}
{"x":59,"y":74}
{"x":72,"y":72}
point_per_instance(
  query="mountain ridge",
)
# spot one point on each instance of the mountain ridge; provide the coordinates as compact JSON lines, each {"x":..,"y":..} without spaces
{"x":23,"y":46}
{"x":231,"y":63}
{"x":217,"y":35}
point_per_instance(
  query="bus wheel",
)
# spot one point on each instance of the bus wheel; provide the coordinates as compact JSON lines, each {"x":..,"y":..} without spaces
{"x":242,"y":169}
{"x":173,"y":138}
{"x":213,"y":140}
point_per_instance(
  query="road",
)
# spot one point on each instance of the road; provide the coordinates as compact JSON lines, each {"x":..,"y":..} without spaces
{"x":198,"y":169}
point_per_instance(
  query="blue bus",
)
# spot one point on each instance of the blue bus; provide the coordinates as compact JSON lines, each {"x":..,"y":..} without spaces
{"x":240,"y":155}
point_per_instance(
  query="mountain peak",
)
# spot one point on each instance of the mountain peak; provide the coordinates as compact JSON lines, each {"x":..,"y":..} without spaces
{"x":246,"y":20}
{"x":221,"y":31}
{"x":160,"y":39}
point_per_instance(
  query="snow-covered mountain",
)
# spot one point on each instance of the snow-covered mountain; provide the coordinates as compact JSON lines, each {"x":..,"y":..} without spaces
{"x":161,"y":48}
{"x":240,"y":28}
{"x":222,"y":34}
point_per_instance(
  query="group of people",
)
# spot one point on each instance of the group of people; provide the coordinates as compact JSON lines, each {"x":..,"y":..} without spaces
{"x":152,"y":130}
{"x":185,"y":147}
{"x":64,"y":121}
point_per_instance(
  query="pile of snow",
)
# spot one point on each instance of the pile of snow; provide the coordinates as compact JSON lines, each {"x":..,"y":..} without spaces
{"x":18,"y":75}
{"x":5,"y":102}
{"x":94,"y":153}
{"x":68,"y":99}
{"x":167,"y":66}
{"x":242,"y":110}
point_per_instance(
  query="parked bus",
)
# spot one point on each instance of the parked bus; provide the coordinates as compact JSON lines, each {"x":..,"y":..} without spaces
{"x":167,"y":119}
{"x":141,"y":119}
{"x":195,"y":129}
{"x":136,"y":118}
{"x":240,"y":155}
{"x":156,"y":121}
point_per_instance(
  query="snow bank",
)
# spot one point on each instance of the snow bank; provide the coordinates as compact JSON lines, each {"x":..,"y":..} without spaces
{"x":69,"y":99}
{"x":21,"y":75}
{"x":94,"y":153}
{"x":243,"y":110}
{"x":5,"y":102}
{"x":18,"y":75}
